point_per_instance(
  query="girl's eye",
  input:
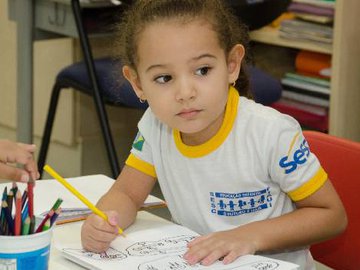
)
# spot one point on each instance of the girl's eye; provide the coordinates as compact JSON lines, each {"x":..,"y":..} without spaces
{"x":163,"y":79}
{"x":202,"y":71}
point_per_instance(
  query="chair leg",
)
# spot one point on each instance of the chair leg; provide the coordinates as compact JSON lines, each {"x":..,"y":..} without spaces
{"x":100,"y":106}
{"x":48,"y":127}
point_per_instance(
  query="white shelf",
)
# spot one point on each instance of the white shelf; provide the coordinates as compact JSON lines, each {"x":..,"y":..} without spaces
{"x":270,"y":35}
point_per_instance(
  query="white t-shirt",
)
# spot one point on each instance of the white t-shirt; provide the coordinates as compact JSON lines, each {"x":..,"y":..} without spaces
{"x":253,"y":169}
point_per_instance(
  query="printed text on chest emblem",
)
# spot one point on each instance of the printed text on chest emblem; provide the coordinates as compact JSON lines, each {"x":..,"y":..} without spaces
{"x":235,"y":204}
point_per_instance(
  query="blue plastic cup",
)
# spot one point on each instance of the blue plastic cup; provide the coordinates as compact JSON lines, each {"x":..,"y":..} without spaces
{"x":26,"y":251}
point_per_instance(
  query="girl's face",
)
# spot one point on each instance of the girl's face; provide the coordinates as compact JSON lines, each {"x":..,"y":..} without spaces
{"x":184,"y":75}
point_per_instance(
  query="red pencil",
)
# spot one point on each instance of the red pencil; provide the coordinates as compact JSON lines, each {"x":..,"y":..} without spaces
{"x":48,"y":215}
{"x":31,"y":198}
{"x":17,"y":218}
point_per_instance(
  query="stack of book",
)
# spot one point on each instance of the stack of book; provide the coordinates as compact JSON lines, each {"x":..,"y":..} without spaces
{"x":306,"y":92}
{"x":313,"y":21}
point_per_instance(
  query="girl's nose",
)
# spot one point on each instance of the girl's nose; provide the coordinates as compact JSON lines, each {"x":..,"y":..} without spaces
{"x":186,"y":91}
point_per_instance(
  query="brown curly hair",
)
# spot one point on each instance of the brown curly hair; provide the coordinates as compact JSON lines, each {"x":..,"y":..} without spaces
{"x":141,"y":13}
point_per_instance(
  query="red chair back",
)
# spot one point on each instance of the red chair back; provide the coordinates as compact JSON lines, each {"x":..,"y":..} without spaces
{"x":341,"y":160}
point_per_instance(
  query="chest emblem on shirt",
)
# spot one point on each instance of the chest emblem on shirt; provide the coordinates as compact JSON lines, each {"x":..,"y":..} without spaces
{"x":236,"y":204}
{"x":138,"y":142}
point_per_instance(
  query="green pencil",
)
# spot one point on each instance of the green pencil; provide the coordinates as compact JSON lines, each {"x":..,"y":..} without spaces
{"x":32,"y":225}
{"x":26,"y":226}
{"x":46,"y":226}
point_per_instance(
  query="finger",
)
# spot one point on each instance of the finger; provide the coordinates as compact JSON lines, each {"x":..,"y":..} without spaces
{"x":27,"y":147}
{"x":212,"y":257}
{"x":32,"y":168}
{"x":12,"y":173}
{"x":94,"y":239}
{"x":97,"y":247}
{"x":195,"y":254}
{"x":229,"y":258}
{"x":101,"y":225}
{"x":197,"y":240}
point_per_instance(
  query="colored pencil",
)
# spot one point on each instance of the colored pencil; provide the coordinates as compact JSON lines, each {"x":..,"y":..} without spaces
{"x":9,"y":200}
{"x":92,"y":207}
{"x":25,"y":212}
{"x":55,"y":216}
{"x":31,"y":198}
{"x":32,"y":225}
{"x":17,"y":218}
{"x":26,"y":226}
{"x":14,"y":189}
{"x":46,"y":226}
{"x":57,"y":204}
{"x":48,"y":216}
{"x":24,"y":199}
{"x":9,"y":220}
{"x":2,"y":216}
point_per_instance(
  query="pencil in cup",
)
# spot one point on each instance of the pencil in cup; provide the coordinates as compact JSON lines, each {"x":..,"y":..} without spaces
{"x":92,"y":207}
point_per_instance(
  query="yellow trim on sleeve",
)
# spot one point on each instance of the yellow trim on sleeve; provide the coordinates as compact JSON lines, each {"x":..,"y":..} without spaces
{"x":315,"y":183}
{"x":136,"y":163}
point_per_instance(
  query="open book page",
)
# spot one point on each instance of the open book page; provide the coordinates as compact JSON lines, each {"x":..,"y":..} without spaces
{"x":152,"y":243}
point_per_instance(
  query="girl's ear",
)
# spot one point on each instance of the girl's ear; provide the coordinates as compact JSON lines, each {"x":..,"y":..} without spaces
{"x":131,"y":75}
{"x":235,"y":58}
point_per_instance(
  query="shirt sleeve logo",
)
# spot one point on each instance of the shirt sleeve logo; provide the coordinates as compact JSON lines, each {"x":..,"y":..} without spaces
{"x":138,"y":142}
{"x":300,"y":156}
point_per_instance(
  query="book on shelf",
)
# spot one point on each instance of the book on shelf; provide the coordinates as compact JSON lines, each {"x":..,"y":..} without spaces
{"x":306,"y":31}
{"x":308,"y":79}
{"x":305,"y":98}
{"x":320,"y":3}
{"x":314,"y":18}
{"x":311,"y":9}
{"x":313,"y":64}
{"x":315,"y":109}
{"x":303,"y":116}
{"x":305,"y":87}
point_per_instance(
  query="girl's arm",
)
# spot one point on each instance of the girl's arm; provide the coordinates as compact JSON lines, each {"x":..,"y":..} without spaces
{"x":319,"y":217}
{"x":127,"y":195}
{"x":121,"y":204}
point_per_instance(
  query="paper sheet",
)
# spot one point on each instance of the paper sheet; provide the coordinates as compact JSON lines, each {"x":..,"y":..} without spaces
{"x":156,"y":244}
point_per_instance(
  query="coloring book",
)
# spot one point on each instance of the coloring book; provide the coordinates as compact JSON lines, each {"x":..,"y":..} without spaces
{"x":152,"y":243}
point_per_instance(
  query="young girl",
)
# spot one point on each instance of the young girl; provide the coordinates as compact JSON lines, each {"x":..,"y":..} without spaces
{"x":238,"y":173}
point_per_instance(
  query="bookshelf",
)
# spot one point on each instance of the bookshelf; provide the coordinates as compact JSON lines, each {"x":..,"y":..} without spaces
{"x":345,"y":50}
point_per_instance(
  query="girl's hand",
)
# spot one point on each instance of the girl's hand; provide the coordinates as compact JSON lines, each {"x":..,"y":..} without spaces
{"x":12,"y":153}
{"x":97,"y":233}
{"x":225,"y":245}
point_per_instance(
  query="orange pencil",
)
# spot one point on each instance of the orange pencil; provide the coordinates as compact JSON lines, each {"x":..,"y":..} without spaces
{"x":17,"y":218}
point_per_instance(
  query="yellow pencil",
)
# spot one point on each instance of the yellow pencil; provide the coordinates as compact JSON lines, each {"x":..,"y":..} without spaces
{"x":92,"y":207}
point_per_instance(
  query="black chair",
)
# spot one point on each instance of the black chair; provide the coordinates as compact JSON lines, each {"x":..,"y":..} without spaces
{"x":95,"y":78}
